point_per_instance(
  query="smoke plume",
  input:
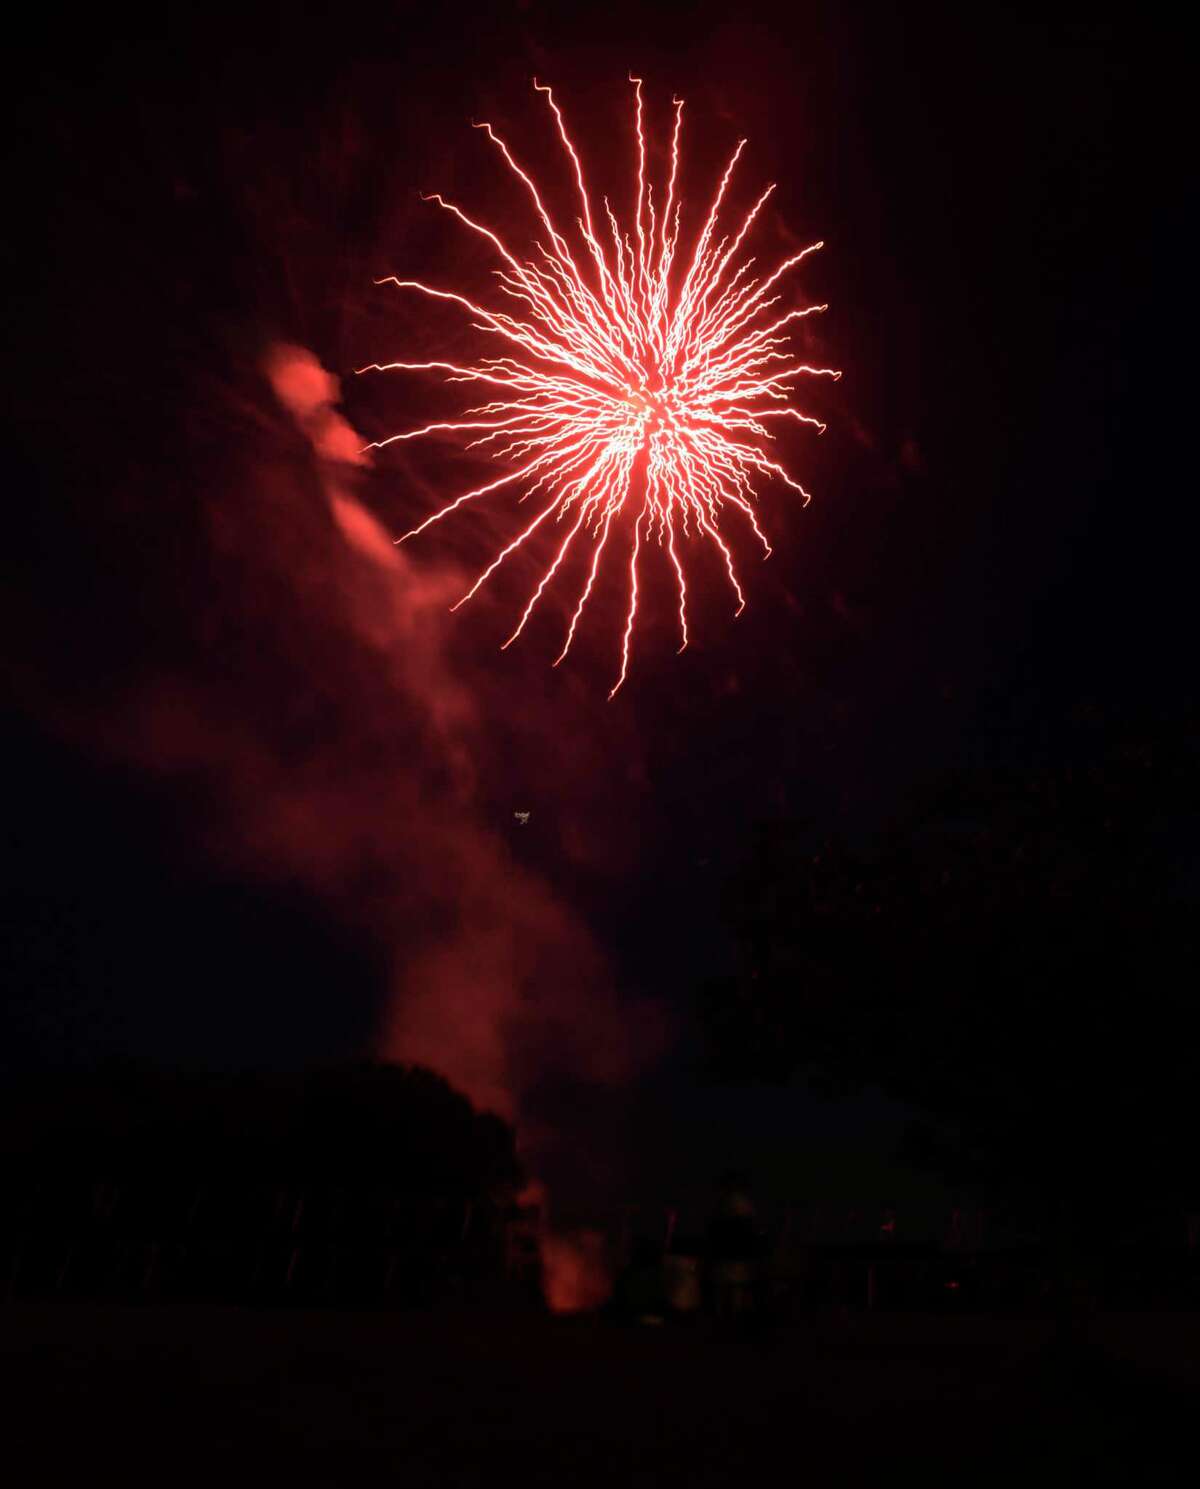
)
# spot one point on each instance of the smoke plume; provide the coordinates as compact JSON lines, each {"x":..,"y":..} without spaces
{"x":304,"y":696}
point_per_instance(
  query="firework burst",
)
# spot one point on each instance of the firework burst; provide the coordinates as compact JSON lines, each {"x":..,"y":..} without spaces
{"x":637,"y":382}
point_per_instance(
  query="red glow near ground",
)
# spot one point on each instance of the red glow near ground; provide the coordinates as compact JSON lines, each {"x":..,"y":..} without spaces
{"x":644,"y":383}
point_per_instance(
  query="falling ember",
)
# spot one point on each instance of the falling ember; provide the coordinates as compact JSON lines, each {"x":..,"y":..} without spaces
{"x":643,"y":385}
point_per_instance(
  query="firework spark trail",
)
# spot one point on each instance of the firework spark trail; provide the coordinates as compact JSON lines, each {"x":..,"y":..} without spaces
{"x":637,"y":386}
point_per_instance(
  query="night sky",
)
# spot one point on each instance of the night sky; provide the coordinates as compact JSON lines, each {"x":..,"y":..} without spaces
{"x":259,"y":791}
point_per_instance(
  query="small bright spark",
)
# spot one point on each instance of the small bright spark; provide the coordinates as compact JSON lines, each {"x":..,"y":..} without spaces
{"x":642,"y":386}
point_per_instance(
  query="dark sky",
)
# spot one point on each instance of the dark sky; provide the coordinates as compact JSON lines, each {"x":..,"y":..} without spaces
{"x":1002,"y":529}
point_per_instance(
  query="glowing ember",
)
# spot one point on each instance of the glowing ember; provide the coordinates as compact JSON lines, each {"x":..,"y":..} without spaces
{"x":642,"y":386}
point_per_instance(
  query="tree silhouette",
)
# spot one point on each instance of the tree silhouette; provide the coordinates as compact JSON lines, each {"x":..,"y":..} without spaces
{"x":1014,"y":958}
{"x":346,"y":1175}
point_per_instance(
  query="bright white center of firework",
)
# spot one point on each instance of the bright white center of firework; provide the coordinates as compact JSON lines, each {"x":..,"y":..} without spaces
{"x":653,"y":410}
{"x":631,"y":380}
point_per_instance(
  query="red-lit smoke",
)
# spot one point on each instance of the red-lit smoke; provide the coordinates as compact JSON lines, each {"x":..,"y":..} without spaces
{"x":516,"y":982}
{"x":315,"y":734}
{"x":643,"y":384}
{"x":517,"y":985}
{"x":309,"y":704}
{"x":576,"y":1265}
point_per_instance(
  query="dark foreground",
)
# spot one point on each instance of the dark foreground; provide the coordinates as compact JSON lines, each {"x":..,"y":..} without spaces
{"x":221,"y":1396}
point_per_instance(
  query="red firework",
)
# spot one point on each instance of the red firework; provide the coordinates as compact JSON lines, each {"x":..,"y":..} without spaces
{"x":642,"y":385}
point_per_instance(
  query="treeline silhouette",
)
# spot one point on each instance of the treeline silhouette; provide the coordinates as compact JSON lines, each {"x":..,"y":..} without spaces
{"x":1015,"y":958}
{"x":362,"y":1183}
